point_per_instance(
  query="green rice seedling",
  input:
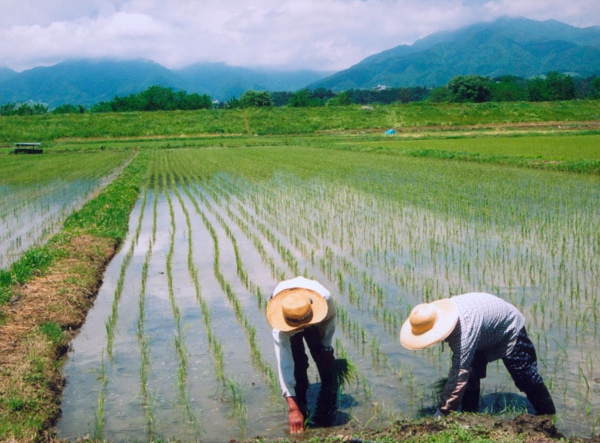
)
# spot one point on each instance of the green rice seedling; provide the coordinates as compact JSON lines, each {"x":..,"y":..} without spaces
{"x":238,"y":403}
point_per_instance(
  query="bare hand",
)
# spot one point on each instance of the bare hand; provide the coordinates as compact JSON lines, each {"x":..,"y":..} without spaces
{"x":296,"y":420}
{"x":295,"y":416}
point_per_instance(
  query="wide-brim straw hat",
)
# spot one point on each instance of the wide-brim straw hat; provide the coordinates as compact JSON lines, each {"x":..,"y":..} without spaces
{"x":296,"y":308}
{"x":428,"y":324}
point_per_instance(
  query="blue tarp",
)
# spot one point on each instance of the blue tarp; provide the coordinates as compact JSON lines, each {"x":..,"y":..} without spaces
{"x":389,"y":132}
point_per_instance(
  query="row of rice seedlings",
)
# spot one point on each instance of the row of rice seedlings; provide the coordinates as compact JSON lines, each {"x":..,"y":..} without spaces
{"x":241,"y":271}
{"x":257,"y":358}
{"x":147,"y":397}
{"x":232,"y":385}
{"x":264,"y":229}
{"x":248,"y":229}
{"x":237,"y":398}
{"x":178,"y":338}
{"x":215,"y":344}
{"x":228,"y":384}
{"x":111,"y":322}
{"x":39,"y":194}
{"x":99,"y":415}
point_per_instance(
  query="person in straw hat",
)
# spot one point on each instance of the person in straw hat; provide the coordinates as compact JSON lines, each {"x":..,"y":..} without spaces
{"x":479,"y":328}
{"x":301,"y":310}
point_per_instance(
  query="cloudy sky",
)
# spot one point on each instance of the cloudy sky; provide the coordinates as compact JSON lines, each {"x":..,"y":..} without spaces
{"x":326,"y":35}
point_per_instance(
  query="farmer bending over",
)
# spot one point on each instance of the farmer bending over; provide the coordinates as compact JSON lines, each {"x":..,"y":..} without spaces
{"x":302,"y":309}
{"x":479,"y":328}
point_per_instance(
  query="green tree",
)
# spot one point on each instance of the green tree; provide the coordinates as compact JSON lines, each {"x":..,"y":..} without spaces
{"x":68,"y":108}
{"x":508,"y":88}
{"x":470,"y":89}
{"x":439,"y":95}
{"x":8,"y":109}
{"x":281,"y":98}
{"x":595,"y":88}
{"x":186,"y":101}
{"x":301,"y":99}
{"x":157,"y":98}
{"x":552,"y":86}
{"x":341,"y":99}
{"x":560,"y":86}
{"x":102,"y":107}
{"x":256,"y":99}
{"x":537,"y":90}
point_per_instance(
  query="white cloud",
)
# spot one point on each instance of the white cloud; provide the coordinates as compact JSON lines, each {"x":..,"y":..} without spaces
{"x":314,"y":34}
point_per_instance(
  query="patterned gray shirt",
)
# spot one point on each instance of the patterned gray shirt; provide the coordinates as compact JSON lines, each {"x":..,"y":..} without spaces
{"x":486,"y":323}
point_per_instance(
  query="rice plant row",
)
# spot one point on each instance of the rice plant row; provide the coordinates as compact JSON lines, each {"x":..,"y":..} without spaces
{"x":37,"y":193}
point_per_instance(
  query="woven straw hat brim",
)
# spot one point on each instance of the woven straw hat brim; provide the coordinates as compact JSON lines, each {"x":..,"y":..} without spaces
{"x":444,"y":325}
{"x":275,"y":311}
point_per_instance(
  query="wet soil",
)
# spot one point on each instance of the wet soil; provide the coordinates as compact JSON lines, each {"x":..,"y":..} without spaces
{"x":458,"y":427}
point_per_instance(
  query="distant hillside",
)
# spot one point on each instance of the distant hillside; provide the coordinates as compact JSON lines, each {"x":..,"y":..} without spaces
{"x":89,"y":82}
{"x":223,"y":82}
{"x":85,"y":81}
{"x":6,"y":73}
{"x":507,"y":46}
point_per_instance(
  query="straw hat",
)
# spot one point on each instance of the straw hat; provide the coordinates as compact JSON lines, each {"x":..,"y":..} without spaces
{"x":295,"y":308}
{"x":428,"y":324}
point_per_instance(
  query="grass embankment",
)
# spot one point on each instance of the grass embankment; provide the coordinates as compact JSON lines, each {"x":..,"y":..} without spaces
{"x":420,"y":118}
{"x":44,"y":298}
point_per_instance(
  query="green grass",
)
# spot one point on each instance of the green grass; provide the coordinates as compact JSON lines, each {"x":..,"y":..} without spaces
{"x":103,"y":128}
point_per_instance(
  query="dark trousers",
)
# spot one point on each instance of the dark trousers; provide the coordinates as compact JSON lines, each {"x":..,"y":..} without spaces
{"x":327,"y":398}
{"x":521,"y":364}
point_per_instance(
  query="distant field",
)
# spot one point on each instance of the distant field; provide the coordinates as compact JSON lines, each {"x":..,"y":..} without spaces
{"x":285,"y":121}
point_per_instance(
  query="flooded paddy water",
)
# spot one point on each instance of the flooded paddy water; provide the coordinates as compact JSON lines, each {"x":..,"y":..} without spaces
{"x":37,"y":194}
{"x":178,"y":346}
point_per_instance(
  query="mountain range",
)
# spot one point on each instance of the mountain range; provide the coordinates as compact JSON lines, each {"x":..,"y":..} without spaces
{"x":506,"y":46}
{"x":88,"y":82}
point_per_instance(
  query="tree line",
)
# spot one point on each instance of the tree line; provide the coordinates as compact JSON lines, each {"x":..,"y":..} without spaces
{"x":461,"y":89}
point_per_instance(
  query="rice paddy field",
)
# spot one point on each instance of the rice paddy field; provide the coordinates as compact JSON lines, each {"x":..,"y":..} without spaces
{"x":177,"y":345}
{"x":38,"y":194}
